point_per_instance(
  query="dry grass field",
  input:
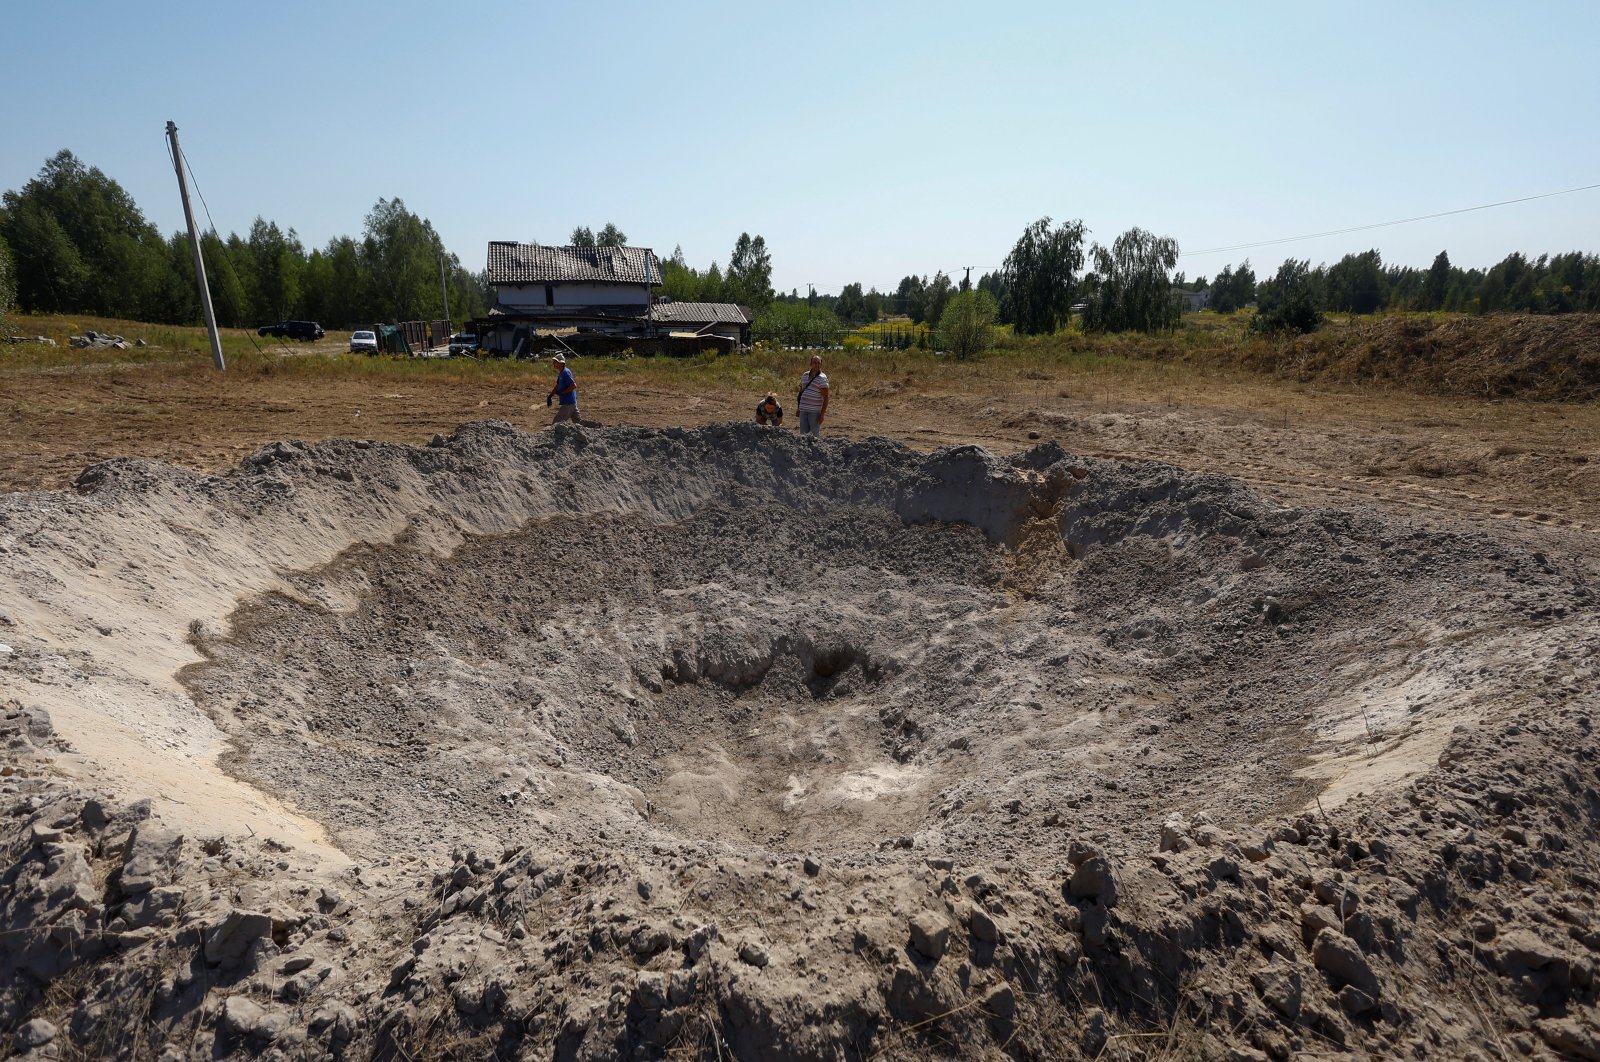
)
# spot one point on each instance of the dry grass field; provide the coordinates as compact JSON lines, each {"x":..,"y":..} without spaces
{"x":1183,"y":399}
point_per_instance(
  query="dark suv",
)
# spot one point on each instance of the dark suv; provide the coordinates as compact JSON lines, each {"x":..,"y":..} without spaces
{"x":306,"y":330}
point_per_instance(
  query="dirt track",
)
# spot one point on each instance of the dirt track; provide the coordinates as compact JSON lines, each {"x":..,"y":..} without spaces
{"x":721,"y":741}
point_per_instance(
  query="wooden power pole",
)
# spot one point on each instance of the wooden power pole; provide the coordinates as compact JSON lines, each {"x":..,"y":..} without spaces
{"x":194,"y":246}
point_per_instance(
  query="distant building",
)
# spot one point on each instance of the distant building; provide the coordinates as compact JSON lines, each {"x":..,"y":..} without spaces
{"x":588,"y":295}
{"x":703,"y":318}
{"x":555,"y":289}
{"x":1192,"y":301}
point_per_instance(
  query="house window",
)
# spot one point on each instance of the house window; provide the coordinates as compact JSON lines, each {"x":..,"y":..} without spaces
{"x":549,"y":294}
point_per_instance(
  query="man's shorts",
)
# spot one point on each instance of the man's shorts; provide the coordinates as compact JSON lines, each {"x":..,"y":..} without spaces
{"x":566,"y":413}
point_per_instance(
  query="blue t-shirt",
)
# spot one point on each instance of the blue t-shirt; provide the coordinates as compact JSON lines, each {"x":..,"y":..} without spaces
{"x":566,"y":388}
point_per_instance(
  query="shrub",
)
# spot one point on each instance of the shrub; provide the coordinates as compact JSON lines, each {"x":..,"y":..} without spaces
{"x":967,"y":325}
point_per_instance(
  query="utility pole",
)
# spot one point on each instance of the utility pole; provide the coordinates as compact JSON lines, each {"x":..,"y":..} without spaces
{"x":194,"y":246}
{"x":966,"y":285}
{"x":444,"y":290}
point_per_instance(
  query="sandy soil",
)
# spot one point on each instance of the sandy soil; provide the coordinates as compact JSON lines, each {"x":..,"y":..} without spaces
{"x":669,"y":742}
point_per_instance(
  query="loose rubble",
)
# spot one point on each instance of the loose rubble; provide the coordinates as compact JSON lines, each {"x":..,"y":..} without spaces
{"x":91,"y":338}
{"x":600,"y":790}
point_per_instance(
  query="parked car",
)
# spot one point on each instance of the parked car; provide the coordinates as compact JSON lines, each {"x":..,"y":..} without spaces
{"x":305,"y":330}
{"x":363,"y":342}
{"x":463,"y":343}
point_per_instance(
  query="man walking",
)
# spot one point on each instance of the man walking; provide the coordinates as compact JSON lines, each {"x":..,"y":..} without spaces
{"x":566,"y":389}
{"x":813,"y":398}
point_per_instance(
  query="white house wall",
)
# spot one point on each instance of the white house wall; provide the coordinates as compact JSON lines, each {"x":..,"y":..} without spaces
{"x":576,"y":294}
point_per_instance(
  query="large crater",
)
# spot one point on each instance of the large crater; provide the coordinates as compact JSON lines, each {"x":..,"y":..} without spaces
{"x":731,"y":743}
{"x":738,"y":637}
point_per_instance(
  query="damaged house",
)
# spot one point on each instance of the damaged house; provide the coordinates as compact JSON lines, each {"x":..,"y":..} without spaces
{"x":595,"y":299}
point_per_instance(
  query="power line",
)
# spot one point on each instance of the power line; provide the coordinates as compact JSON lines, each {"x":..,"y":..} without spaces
{"x":1386,"y":224}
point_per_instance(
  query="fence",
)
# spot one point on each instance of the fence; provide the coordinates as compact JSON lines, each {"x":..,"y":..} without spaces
{"x":425,"y":335}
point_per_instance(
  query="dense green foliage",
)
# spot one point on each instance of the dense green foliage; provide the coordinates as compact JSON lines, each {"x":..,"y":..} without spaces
{"x":1232,"y":289}
{"x":748,"y":281}
{"x":402,"y":252}
{"x":917,"y":297}
{"x":936,"y":296}
{"x":8,"y":280}
{"x":1130,"y":289}
{"x":1362,"y":284}
{"x":1354,"y":284}
{"x":852,"y":306}
{"x":81,"y":245}
{"x":995,"y":285}
{"x":796,"y":324}
{"x":1436,"y":288}
{"x":912,"y":295}
{"x":1290,"y":301}
{"x":1041,"y":275}
{"x":609,"y":236}
{"x":966,"y":328}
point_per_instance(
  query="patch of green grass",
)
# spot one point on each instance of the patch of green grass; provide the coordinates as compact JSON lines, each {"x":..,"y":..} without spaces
{"x":167,"y":344}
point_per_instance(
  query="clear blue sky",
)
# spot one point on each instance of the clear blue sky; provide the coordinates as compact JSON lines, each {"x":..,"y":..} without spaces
{"x":865,"y":141}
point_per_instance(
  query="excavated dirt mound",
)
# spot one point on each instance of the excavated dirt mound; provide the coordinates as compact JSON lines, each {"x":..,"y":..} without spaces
{"x":1503,"y":355}
{"x":730,"y":742}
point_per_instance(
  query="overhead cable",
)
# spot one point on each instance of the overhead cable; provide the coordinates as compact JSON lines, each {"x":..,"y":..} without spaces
{"x":1386,"y":224}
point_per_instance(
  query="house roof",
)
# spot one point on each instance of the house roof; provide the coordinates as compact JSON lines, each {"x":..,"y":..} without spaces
{"x":698,"y":313}
{"x":524,"y":263}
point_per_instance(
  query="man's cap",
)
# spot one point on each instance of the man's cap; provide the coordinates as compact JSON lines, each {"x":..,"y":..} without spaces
{"x":560,"y":359}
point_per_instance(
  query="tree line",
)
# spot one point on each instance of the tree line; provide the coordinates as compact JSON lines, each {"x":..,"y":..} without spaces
{"x":1132,"y":285}
{"x":1362,"y":284}
{"x":73,"y":241}
{"x":78,"y":243}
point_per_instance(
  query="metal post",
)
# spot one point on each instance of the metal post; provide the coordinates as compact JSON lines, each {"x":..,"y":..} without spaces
{"x":445,"y":291}
{"x":194,"y":245}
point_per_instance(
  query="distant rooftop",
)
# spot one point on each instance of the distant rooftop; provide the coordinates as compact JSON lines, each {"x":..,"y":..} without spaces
{"x":526,"y":263}
{"x":698,"y":313}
